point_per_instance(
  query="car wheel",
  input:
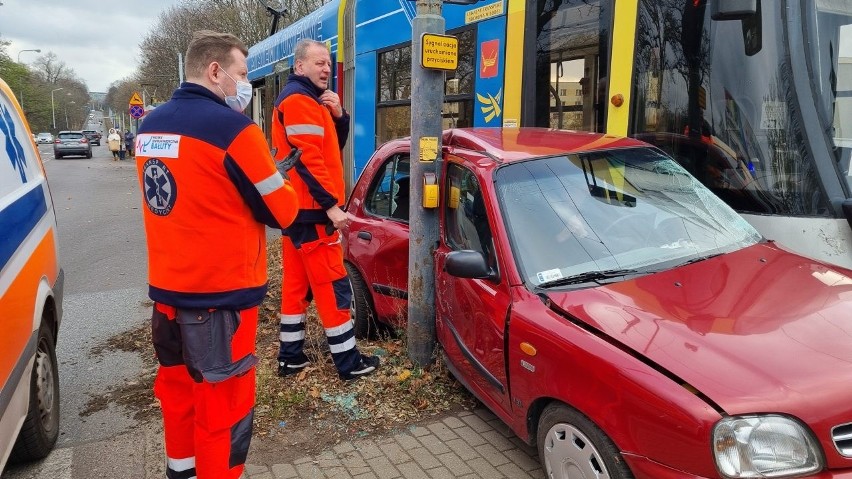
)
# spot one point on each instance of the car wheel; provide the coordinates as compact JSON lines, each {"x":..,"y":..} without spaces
{"x":362,"y":311}
{"x":57,"y":156}
{"x":570,"y":446}
{"x":41,"y":427}
{"x":89,"y":154}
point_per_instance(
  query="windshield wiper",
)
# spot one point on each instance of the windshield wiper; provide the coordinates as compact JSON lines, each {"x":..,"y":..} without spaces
{"x":589,"y":276}
{"x":700,"y":258}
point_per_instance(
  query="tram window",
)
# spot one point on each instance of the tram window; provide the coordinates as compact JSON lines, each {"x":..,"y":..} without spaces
{"x":722,"y":108}
{"x":393,"y":109}
{"x":567,"y":87}
{"x":395,"y":74}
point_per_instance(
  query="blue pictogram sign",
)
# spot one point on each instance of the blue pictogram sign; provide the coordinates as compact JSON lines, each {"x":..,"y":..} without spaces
{"x":136,"y":111}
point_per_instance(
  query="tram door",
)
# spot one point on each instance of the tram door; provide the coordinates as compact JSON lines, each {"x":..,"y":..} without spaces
{"x":565,"y":87}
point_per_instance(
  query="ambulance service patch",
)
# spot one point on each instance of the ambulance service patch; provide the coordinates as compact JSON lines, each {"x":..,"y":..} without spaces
{"x":160,"y":187}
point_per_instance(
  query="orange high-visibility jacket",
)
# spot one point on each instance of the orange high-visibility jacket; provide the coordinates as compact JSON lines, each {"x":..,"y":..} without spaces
{"x":302,"y":121}
{"x":209,"y":187}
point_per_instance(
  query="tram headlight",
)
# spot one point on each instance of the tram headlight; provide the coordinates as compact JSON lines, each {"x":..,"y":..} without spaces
{"x":764,"y":446}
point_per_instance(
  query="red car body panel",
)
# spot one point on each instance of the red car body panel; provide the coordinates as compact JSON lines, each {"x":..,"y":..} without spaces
{"x":654,"y":361}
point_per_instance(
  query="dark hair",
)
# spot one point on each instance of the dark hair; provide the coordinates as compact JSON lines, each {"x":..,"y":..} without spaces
{"x":207,"y":47}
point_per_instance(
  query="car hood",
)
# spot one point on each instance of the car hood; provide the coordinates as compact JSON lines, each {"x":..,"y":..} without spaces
{"x":758,"y":330}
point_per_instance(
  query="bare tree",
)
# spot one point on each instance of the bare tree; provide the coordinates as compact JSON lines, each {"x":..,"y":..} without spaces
{"x":51,"y":68}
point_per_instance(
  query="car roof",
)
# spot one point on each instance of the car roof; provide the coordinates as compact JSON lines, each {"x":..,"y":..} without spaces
{"x":508,"y":144}
{"x":511,"y":144}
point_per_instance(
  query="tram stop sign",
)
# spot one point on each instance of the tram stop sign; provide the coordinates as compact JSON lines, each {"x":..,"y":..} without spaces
{"x":439,"y":52}
{"x":136,"y":111}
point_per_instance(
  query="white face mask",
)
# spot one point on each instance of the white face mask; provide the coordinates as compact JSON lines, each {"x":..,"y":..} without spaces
{"x":243,"y":97}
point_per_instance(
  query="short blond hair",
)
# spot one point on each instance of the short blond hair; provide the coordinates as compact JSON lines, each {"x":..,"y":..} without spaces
{"x":207,"y":47}
{"x":301,"y":50}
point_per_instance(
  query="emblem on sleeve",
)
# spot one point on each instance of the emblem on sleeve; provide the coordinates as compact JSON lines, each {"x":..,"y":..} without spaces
{"x":160,"y":187}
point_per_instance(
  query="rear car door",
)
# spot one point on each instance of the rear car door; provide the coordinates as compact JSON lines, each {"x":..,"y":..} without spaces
{"x":380,"y":230}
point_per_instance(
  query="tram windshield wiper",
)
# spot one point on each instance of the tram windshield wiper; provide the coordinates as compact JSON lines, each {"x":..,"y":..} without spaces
{"x":599,"y":277}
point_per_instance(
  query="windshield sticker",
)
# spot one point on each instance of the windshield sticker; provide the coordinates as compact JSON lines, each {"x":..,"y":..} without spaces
{"x":549,"y":275}
{"x":160,"y":146}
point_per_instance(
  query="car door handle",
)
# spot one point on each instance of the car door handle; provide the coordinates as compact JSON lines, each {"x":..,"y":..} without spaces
{"x":365,"y":235}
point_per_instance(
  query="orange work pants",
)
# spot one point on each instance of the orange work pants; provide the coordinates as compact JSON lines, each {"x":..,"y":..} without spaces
{"x":207,"y":411}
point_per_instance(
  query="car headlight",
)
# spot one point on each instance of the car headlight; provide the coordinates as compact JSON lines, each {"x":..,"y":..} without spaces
{"x":764,"y":446}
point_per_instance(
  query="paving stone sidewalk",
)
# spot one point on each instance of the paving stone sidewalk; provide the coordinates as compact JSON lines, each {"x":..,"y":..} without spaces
{"x":468,"y":445}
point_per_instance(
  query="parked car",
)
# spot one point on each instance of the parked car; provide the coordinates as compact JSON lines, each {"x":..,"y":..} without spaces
{"x":71,"y":143}
{"x":31,"y":286}
{"x":94,"y":137}
{"x":44,"y":138}
{"x":613,"y":311}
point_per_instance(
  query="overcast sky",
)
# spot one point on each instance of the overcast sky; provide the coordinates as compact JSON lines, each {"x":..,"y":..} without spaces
{"x":99,"y":40}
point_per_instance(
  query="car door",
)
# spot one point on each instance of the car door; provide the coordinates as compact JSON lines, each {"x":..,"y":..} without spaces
{"x":472,"y":313}
{"x":379,"y":230}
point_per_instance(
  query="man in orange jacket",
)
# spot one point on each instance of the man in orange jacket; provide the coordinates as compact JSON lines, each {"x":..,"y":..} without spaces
{"x":309,"y":117}
{"x":209,"y":187}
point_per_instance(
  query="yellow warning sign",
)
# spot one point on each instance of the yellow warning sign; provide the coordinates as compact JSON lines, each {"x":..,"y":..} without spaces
{"x":428,"y":148}
{"x":135,"y":99}
{"x":439,"y":52}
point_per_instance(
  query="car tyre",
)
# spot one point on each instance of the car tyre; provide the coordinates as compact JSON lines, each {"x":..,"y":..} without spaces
{"x":41,"y":426}
{"x":362,"y":310}
{"x":571,"y":446}
{"x":89,"y":154}
{"x":57,"y":156}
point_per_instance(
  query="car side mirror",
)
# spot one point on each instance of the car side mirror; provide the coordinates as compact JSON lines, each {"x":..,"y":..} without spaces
{"x":468,"y":264}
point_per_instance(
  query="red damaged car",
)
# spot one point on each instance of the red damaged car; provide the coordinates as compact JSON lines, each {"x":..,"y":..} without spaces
{"x":609,"y":308}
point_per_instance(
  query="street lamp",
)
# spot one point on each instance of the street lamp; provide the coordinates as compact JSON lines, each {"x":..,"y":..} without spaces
{"x":66,"y":113}
{"x":52,"y":107}
{"x":37,"y":50}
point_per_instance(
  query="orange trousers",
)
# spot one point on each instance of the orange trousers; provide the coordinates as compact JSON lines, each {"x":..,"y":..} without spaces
{"x":315,"y":268}
{"x":207,"y":407}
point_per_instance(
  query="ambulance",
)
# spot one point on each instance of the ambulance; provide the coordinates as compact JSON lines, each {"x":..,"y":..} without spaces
{"x":31,"y":284}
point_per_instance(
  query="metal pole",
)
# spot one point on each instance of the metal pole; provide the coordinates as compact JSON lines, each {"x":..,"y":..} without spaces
{"x":180,"y":69}
{"x":53,"y":107}
{"x":37,"y":50}
{"x":427,"y":97}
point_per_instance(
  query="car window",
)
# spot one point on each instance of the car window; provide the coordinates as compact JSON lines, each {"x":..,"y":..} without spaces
{"x":388,"y":196}
{"x":70,"y":136}
{"x":466,"y":222}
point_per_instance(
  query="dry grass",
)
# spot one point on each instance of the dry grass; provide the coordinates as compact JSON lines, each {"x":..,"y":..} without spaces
{"x":314,"y":408}
{"x":393,"y":397}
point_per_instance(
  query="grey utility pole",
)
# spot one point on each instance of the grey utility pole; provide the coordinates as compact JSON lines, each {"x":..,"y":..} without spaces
{"x":427,"y":98}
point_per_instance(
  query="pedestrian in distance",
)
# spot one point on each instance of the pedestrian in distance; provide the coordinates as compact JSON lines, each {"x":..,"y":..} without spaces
{"x":128,"y":142}
{"x":310,"y":119}
{"x":209,"y":188}
{"x":114,"y":143}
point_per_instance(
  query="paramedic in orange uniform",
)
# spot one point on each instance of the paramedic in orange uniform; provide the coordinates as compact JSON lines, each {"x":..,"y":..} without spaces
{"x":309,"y":117}
{"x":209,"y":187}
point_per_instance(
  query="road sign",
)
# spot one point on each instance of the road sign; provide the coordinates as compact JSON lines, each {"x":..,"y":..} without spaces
{"x":439,"y":52}
{"x":136,"y":111}
{"x":136,"y":99}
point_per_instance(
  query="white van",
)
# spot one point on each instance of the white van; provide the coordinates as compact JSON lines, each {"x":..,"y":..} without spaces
{"x":31,"y":283}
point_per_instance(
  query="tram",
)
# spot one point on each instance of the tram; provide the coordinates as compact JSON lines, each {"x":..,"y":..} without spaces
{"x":753,"y":97}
